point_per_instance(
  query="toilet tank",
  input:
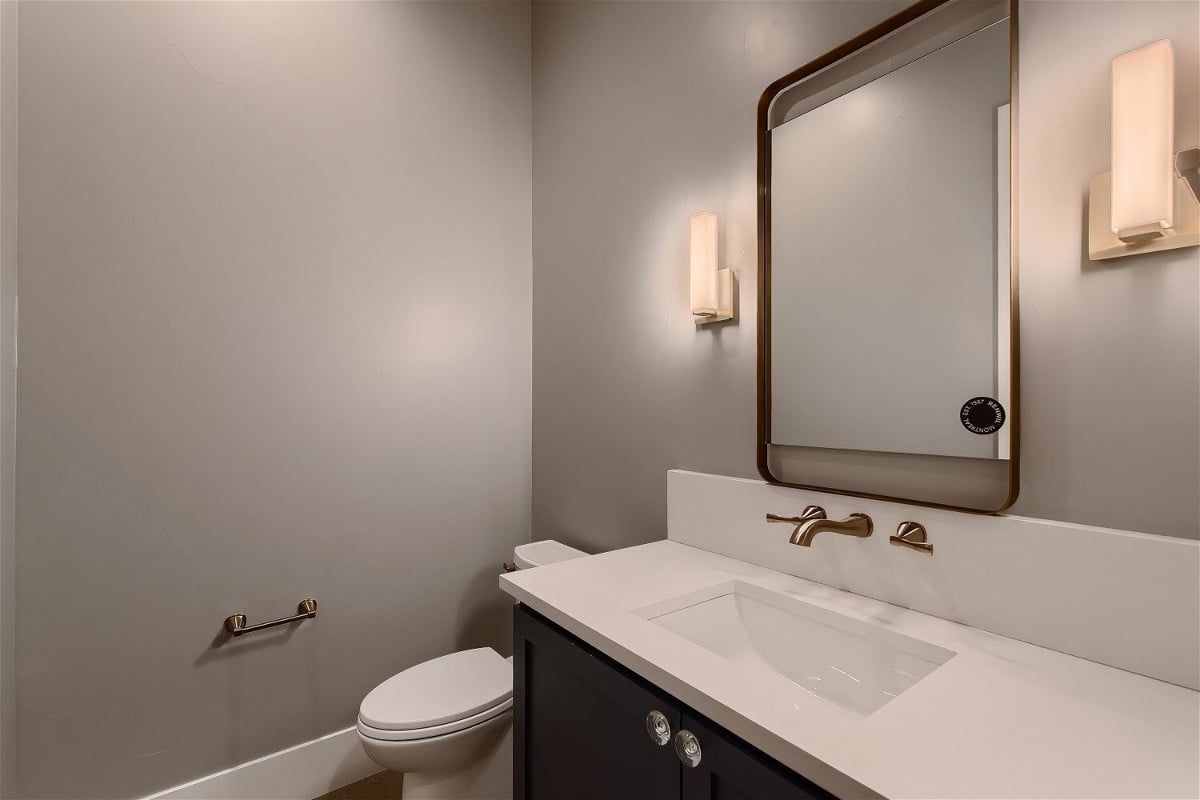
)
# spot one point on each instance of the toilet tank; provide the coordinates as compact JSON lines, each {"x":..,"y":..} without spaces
{"x":547,"y":551}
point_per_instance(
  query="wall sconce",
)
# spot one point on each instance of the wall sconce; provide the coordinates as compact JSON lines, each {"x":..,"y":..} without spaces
{"x":712,"y":288}
{"x":1148,"y":202}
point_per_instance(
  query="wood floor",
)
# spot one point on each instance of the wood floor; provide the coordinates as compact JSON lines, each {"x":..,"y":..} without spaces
{"x":380,"y":786}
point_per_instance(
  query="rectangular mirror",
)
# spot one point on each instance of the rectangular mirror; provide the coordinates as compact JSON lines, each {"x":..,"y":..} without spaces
{"x":887,"y":309}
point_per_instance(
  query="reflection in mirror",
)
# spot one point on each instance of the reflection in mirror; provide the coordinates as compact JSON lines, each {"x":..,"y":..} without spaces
{"x":889,"y":319}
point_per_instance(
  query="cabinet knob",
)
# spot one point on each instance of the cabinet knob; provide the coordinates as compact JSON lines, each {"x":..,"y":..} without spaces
{"x":658,"y":727}
{"x":687,"y":747}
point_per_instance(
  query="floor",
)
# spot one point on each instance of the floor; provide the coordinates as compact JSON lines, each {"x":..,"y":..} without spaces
{"x":380,"y":786}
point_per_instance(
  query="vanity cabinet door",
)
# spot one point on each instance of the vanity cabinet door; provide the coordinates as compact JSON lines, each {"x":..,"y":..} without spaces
{"x":580,"y":723}
{"x":727,"y":769}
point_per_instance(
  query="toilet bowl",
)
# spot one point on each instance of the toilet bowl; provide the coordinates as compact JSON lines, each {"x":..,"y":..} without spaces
{"x":446,"y":723}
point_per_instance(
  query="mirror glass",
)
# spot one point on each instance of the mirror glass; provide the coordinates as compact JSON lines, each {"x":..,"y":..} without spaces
{"x":889,"y":325}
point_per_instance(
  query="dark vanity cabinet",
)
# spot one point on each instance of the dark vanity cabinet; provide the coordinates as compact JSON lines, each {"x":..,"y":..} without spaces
{"x":585,"y":728}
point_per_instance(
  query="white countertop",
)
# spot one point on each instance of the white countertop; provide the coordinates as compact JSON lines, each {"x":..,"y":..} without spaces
{"x":1001,"y":719}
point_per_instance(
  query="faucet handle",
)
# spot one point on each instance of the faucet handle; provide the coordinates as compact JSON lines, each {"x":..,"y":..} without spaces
{"x":809,"y":513}
{"x":912,"y":535}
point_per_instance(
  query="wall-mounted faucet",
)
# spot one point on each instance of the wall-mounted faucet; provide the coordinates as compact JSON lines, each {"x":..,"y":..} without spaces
{"x":812,"y":521}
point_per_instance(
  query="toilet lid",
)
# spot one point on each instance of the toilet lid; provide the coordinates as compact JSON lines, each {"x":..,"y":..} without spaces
{"x":445,"y":689}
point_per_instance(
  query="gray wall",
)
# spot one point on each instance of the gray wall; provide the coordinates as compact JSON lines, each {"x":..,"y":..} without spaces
{"x":8,"y":404}
{"x":275,"y":343}
{"x":644,"y":114}
{"x":275,"y":278}
{"x":1111,"y":350}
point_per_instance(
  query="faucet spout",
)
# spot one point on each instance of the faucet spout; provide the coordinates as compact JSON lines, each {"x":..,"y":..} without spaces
{"x":809,"y":513}
{"x":858,"y":525}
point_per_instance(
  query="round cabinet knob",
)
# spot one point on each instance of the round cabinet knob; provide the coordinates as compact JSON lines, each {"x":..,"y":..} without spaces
{"x":687,"y":747}
{"x":658,"y":727}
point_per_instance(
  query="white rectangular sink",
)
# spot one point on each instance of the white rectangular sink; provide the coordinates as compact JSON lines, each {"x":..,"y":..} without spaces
{"x":857,"y":665}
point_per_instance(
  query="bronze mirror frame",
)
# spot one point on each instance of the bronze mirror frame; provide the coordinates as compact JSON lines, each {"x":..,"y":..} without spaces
{"x":901,"y":19}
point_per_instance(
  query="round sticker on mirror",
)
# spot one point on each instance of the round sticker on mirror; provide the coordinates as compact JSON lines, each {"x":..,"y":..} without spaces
{"x":982,"y":415}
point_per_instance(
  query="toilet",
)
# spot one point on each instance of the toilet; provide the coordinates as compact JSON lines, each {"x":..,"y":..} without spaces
{"x":446,"y":723}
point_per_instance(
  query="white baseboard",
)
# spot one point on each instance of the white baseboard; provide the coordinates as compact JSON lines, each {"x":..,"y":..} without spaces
{"x":1126,"y":599}
{"x":307,"y":770}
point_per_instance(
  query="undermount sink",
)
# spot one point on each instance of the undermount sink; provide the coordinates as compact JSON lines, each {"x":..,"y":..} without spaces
{"x":857,"y":665}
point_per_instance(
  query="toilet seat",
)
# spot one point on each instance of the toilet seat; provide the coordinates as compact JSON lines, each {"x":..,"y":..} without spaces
{"x":414,"y":734}
{"x":439,"y":697}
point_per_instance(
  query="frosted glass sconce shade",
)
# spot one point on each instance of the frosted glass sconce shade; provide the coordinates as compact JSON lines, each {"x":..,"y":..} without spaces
{"x":712,"y":288}
{"x":704,"y":263}
{"x":1143,"y":142}
{"x":1145,"y":204}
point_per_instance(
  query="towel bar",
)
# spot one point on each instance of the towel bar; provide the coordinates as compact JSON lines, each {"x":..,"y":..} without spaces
{"x":236,"y":623}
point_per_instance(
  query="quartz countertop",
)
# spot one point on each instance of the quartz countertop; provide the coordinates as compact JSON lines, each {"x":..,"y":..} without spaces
{"x":1000,"y":719}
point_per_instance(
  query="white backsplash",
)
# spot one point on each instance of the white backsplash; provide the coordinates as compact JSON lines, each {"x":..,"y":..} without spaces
{"x":1129,"y":600}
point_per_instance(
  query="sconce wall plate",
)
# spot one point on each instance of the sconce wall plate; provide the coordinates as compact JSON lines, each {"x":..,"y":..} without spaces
{"x":1102,"y":239}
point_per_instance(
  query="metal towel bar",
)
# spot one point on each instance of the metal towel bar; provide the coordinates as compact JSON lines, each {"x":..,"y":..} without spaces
{"x":236,"y":624}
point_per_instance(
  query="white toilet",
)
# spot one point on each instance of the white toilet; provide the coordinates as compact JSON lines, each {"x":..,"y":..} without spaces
{"x":447,"y":723}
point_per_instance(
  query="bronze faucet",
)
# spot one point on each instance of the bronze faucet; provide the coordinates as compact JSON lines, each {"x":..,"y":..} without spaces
{"x":812,"y":521}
